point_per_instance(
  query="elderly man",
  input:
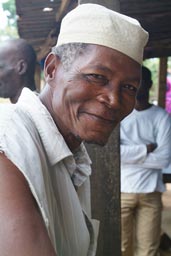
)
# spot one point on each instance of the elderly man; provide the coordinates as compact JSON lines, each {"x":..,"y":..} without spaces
{"x":92,"y":77}
{"x":17,"y":68}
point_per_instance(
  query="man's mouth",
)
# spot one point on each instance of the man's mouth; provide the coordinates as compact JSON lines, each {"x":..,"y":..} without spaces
{"x":101,"y":118}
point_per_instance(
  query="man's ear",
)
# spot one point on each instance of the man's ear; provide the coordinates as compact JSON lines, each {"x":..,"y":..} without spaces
{"x":50,"y":66}
{"x":21,"y":67}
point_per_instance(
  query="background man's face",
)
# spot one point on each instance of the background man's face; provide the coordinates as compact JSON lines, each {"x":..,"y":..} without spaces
{"x":8,"y":77}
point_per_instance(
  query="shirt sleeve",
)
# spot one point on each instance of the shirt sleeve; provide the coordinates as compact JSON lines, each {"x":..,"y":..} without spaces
{"x":133,"y":154}
{"x":161,"y":157}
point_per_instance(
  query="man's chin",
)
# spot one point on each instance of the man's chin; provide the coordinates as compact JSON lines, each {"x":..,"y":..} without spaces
{"x":98,"y":138}
{"x":101,"y":144}
{"x":98,"y":141}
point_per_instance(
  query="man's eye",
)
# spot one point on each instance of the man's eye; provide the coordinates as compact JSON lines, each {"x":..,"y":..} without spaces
{"x":132,"y":89}
{"x":96,"y":78}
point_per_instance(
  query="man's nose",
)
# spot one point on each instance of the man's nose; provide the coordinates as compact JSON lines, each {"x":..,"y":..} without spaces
{"x":111,"y":98}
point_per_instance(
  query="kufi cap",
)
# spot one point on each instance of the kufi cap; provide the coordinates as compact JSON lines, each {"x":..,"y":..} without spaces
{"x":95,"y":24}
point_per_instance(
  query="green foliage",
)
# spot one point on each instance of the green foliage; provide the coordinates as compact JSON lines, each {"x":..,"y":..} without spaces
{"x":9,"y":31}
{"x":9,"y":8}
{"x":169,"y":65}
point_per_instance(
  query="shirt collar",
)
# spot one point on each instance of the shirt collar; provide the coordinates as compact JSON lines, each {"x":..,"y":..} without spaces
{"x":54,"y":144}
{"x":78,"y":163}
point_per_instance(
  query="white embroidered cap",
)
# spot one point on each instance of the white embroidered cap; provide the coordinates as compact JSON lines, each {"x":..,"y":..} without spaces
{"x":95,"y":24}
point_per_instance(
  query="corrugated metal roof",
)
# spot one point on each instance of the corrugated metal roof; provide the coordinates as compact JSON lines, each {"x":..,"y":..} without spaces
{"x":39,"y":21}
{"x":40,"y":26}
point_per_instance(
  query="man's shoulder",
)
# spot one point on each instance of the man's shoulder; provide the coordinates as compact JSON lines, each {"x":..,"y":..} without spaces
{"x":15,"y":121}
{"x":159,"y":110}
{"x":160,"y":116}
{"x":6,"y":113}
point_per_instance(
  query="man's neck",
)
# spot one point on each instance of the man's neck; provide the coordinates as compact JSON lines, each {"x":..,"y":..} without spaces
{"x":142,"y":106}
{"x":14,"y":99}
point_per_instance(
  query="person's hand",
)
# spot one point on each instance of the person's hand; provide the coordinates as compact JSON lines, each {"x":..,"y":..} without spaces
{"x":151,"y":147}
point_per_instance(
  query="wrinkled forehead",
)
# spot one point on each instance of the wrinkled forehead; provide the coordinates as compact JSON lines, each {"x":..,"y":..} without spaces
{"x":107,"y":58}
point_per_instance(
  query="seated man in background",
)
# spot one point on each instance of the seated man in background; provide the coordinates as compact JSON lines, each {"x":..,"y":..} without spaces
{"x":92,"y":76}
{"x":17,"y":68}
{"x":145,"y":151}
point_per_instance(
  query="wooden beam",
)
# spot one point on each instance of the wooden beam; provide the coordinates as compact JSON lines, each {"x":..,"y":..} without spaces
{"x":45,"y":48}
{"x":153,"y":52}
{"x":113,"y":5}
{"x":162,"y":82}
{"x":105,"y":181}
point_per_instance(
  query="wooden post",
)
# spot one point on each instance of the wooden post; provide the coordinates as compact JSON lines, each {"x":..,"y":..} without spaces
{"x":162,"y":82}
{"x":38,"y":77}
{"x":105,"y":187}
{"x":105,"y":181}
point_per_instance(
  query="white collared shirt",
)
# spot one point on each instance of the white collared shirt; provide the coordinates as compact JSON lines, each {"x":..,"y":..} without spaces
{"x":31,"y":140}
{"x":142,"y":172}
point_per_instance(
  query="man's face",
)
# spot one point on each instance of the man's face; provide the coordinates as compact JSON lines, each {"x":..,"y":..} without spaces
{"x":8,"y":76}
{"x":96,"y":93}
